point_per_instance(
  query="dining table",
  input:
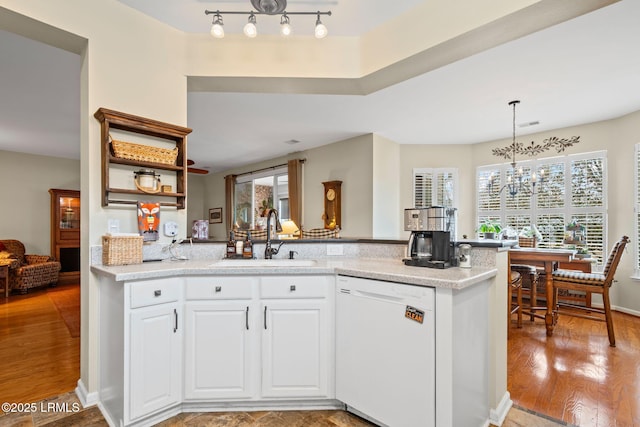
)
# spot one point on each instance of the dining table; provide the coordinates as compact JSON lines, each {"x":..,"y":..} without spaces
{"x":548,"y":259}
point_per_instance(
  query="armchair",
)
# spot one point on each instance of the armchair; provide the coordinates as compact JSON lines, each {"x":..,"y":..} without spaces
{"x":28,"y":271}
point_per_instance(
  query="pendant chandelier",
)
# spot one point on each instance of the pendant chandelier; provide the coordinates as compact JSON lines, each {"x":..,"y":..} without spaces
{"x":265,"y":7}
{"x":517,"y":182}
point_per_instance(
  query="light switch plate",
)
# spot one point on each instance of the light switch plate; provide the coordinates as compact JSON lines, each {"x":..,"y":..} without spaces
{"x":171,"y":228}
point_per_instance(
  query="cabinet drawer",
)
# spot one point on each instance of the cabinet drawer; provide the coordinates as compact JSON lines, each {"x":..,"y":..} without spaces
{"x":294,"y":287}
{"x":152,"y":292}
{"x":214,"y":288}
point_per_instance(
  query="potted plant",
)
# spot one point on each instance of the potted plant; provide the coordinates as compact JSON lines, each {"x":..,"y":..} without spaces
{"x":489,"y":229}
{"x":582,"y":253}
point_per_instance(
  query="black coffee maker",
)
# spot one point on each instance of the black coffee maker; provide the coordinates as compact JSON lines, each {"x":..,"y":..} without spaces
{"x":432,"y":234}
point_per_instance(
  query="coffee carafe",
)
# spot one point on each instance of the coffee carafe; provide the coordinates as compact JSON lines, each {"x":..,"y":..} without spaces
{"x":419,"y":245}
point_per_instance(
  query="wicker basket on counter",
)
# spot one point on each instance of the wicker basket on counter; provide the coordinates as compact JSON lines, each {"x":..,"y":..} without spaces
{"x":121,"y":250}
{"x":143,"y":153}
{"x":527,"y":242}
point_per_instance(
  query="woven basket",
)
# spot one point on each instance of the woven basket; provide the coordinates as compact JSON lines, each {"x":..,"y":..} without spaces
{"x":121,"y":250}
{"x":319,"y":233}
{"x":527,"y":242}
{"x":144,"y":153}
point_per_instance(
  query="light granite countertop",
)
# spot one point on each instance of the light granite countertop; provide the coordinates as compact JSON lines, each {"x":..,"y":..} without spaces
{"x":392,"y":270}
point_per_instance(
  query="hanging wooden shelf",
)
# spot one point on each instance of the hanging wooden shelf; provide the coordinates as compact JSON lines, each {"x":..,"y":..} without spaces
{"x":110,"y":119}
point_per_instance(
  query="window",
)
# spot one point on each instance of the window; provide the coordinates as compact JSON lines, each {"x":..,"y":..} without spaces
{"x":573,"y":189}
{"x":254,"y":193}
{"x":434,"y":187}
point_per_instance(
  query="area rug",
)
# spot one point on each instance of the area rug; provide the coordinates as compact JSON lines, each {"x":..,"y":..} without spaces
{"x":67,"y":302}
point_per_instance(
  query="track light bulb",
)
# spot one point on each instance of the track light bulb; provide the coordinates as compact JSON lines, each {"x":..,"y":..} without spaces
{"x":217,"y":29}
{"x":250,"y":29}
{"x":321,"y":30}
{"x":285,"y":28}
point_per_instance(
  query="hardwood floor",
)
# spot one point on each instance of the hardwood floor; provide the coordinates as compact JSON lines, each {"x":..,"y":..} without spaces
{"x":39,"y":357}
{"x":573,"y":376}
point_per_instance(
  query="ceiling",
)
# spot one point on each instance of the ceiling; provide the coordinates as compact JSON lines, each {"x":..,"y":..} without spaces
{"x":581,"y":71}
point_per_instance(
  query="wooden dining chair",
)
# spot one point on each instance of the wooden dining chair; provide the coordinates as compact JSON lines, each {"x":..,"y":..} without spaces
{"x":515,"y":285}
{"x":529,"y":275}
{"x":597,"y":283}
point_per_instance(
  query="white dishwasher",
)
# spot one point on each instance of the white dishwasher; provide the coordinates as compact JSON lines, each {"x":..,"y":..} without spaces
{"x":385,"y":351}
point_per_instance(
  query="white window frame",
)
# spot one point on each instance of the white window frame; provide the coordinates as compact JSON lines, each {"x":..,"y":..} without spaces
{"x":533,"y":211}
{"x":434,"y":185}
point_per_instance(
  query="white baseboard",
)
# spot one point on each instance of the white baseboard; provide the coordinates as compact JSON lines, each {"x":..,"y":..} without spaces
{"x":626,"y":310}
{"x":86,"y":399}
{"x":497,"y":415}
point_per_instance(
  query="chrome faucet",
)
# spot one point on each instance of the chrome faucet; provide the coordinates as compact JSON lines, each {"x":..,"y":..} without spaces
{"x":268,"y":250}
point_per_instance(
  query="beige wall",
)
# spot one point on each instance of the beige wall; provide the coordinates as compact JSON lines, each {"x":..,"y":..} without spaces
{"x":349,"y":161}
{"x":385,"y":209}
{"x":196,"y":208}
{"x":26,"y":203}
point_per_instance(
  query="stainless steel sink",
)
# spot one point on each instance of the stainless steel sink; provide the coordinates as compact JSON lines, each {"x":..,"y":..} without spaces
{"x":265,"y":263}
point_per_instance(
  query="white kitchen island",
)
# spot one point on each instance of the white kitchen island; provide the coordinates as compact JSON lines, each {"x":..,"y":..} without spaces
{"x":184,"y":336}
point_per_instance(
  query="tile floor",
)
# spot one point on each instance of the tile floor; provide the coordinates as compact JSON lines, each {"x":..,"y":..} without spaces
{"x":65,"y":411}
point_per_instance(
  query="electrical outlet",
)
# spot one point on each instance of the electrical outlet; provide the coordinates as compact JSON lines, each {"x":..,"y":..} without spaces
{"x":335,"y":250}
{"x":113,"y":226}
{"x":171,"y":228}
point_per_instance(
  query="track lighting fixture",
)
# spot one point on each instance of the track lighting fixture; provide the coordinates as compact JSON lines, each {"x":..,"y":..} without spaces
{"x":266,"y":7}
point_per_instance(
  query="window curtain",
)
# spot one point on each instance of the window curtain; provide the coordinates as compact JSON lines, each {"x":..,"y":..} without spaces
{"x":294,"y":171}
{"x":229,"y":199}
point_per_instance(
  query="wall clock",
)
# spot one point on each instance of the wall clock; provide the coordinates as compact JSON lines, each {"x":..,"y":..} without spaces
{"x":332,"y":208}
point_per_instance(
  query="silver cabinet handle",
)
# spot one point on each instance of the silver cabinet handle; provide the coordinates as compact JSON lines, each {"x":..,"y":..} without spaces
{"x":175,"y":326}
{"x":246,"y":318}
{"x":218,"y":288}
{"x":157,"y":293}
{"x":265,"y":317}
{"x":292,"y":288}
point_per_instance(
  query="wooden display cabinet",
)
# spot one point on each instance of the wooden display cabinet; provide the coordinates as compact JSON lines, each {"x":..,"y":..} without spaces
{"x":65,"y":233}
{"x":109,"y":120}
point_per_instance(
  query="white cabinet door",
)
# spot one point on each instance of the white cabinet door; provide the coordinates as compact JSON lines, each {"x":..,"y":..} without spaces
{"x":155,"y":364}
{"x":221,"y":349}
{"x":295,"y":348}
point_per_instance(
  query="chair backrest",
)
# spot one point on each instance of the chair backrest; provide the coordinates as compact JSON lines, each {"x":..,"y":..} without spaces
{"x":613,"y":260}
{"x":16,"y":247}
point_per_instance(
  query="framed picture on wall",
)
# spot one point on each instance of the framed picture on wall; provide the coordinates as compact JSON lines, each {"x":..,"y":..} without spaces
{"x":215,"y":215}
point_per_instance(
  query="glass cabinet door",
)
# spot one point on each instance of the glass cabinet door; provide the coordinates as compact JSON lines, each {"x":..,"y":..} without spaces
{"x":69,"y":213}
